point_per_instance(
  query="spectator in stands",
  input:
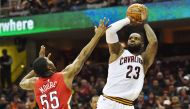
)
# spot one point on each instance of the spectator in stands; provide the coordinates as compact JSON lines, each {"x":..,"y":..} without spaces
{"x":30,"y":100}
{"x":85,"y":88}
{"x":5,"y":65}
{"x":175,"y":103}
{"x":184,"y":98}
{"x":58,"y":5}
{"x":100,"y":83}
{"x":165,"y":95}
{"x":167,"y":104}
{"x":96,"y":3}
{"x":147,"y":1}
{"x":93,"y":102}
{"x":3,"y":102}
{"x":35,"y":6}
{"x":156,"y":89}
{"x":172,"y":90}
{"x":140,"y":104}
{"x":3,"y":2}
{"x":129,"y":2}
{"x":112,"y":3}
{"x":151,"y":101}
{"x":77,"y":4}
{"x":160,"y":78}
{"x":15,"y":102}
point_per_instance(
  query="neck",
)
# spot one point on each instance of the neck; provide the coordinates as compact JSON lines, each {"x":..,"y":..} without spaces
{"x":135,"y":53}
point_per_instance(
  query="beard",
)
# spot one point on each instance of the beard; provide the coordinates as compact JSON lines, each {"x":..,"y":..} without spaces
{"x":134,"y":48}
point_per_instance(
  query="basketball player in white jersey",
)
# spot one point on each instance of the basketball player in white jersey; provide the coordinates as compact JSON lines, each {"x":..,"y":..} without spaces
{"x":127,"y":67}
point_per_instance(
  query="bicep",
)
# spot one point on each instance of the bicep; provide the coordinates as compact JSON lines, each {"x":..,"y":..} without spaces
{"x":28,"y":84}
{"x":114,"y":50}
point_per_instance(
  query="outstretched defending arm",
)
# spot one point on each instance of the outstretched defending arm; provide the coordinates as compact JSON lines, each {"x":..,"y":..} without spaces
{"x":151,"y":48}
{"x":74,"y":68}
{"x":112,"y":39}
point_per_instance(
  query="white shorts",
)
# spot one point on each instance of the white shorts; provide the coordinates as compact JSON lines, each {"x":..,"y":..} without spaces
{"x":105,"y":103}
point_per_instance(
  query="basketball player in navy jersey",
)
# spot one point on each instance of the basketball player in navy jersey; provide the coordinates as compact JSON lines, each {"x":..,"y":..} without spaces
{"x":53,"y":89}
{"x":127,"y":67}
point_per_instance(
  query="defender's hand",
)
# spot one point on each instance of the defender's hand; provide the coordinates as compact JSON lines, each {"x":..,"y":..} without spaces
{"x":42,"y":52}
{"x":102,"y":27}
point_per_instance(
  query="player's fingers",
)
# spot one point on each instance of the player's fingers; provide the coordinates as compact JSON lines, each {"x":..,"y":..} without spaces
{"x":42,"y":51}
{"x":104,"y":20}
{"x":100,"y":22}
{"x":95,"y":28}
{"x":49,"y":55}
{"x":106,"y":24}
{"x":42,"y":47}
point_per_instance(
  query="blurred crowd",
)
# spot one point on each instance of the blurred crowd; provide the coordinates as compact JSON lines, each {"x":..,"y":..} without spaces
{"x":29,"y":7}
{"x":166,"y":86}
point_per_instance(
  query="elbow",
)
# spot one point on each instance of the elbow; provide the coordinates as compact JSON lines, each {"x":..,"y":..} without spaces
{"x":21,"y":85}
{"x":155,"y":45}
{"x":77,"y":69}
{"x":154,"y":42}
{"x":110,"y":30}
{"x":78,"y":65}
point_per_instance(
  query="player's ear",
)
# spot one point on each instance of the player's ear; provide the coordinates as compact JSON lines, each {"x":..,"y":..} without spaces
{"x":49,"y":67}
{"x":49,"y":55}
{"x":142,"y":45}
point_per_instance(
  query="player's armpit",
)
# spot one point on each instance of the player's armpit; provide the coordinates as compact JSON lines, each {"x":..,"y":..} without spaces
{"x":73,"y":69}
{"x":70,"y":71}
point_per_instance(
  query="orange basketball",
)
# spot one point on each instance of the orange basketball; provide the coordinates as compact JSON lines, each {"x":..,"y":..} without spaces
{"x":135,"y":10}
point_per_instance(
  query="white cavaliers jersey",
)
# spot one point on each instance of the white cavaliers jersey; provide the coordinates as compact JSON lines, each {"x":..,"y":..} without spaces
{"x":125,"y":77}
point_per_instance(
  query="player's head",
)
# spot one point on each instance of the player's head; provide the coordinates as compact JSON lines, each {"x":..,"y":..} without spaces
{"x":135,"y":43}
{"x":43,"y":67}
{"x":4,"y":51}
{"x":93,"y":101}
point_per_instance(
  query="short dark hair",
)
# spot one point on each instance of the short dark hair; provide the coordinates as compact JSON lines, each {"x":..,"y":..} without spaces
{"x":40,"y":67}
{"x":4,"y":51}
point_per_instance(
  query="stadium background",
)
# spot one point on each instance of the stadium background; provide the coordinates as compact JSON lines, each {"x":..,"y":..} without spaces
{"x":65,"y":30}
